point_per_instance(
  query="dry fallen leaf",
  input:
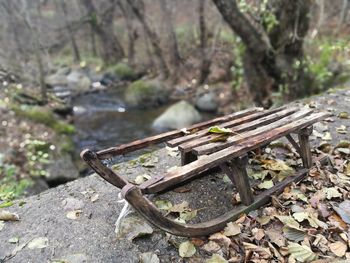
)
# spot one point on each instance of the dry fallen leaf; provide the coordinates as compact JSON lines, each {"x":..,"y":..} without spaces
{"x":331,"y":192}
{"x":338,"y":248}
{"x":8,"y":216}
{"x":258,"y":233}
{"x":186,"y":249}
{"x":221,"y":239}
{"x":293,"y":233}
{"x":133,"y":227}
{"x":216,"y":258}
{"x":38,"y":242}
{"x":2,"y":224}
{"x":266,"y":184}
{"x":74,"y":214}
{"x":343,"y":210}
{"x":94,"y":198}
{"x":211,"y":247}
{"x":263,"y":253}
{"x":276,"y":237}
{"x":232,"y":229}
{"x":343,"y":115}
{"x":301,"y":252}
{"x":149,"y":257}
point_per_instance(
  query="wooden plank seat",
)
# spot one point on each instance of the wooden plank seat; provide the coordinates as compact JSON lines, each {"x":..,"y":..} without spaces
{"x":201,"y":151}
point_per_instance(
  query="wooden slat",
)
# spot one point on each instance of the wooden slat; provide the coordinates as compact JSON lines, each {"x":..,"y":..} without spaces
{"x":188,"y":146}
{"x":192,"y":169}
{"x":216,"y":146}
{"x":227,"y":124}
{"x":139,"y":144}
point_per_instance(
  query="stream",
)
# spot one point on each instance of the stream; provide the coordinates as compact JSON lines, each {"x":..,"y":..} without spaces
{"x":103,"y":120}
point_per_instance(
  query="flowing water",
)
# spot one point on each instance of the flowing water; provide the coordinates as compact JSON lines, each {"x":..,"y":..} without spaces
{"x":103,"y":120}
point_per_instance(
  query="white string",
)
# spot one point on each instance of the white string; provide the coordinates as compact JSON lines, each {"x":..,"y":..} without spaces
{"x":125,"y":211}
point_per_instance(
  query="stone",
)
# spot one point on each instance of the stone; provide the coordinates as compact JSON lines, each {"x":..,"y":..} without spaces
{"x":61,"y":170}
{"x":207,"y":102}
{"x":56,"y":80}
{"x":78,"y":81}
{"x":146,"y":93}
{"x":179,"y":115}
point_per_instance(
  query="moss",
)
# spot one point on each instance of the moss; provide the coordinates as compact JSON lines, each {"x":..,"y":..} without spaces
{"x":63,"y":128}
{"x":43,"y":116}
{"x":123,"y":71}
{"x":10,"y":188}
{"x":142,"y":93}
{"x":67,"y":145}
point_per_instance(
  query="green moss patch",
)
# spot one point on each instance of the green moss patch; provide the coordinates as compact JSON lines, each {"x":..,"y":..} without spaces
{"x":123,"y":71}
{"x":43,"y":116}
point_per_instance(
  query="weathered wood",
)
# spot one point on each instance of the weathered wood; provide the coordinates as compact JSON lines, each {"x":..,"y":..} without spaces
{"x":239,"y":172}
{"x":188,"y":146}
{"x":305,"y":150}
{"x":293,"y":142}
{"x":92,"y":160}
{"x":149,"y":211}
{"x":226,"y":169}
{"x":227,"y":124}
{"x":216,"y":146}
{"x":139,"y":144}
{"x":192,"y":169}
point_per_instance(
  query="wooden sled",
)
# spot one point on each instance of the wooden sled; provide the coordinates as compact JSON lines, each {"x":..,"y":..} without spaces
{"x":251,"y":129}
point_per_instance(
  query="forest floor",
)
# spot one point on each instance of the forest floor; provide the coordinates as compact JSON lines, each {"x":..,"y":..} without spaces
{"x":310,"y":221}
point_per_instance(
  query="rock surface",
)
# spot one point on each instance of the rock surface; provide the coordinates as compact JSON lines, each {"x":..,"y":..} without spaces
{"x":180,"y":115}
{"x":62,"y":171}
{"x":91,"y":237}
{"x":207,"y":102}
{"x":146,"y":93}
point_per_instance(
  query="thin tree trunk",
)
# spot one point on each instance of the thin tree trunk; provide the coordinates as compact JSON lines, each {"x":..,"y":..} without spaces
{"x":75,"y":48}
{"x":93,"y":42}
{"x":203,"y":36}
{"x":132,"y":33}
{"x":152,"y":36}
{"x":172,"y":45}
{"x":344,"y":11}
{"x":37,"y":47}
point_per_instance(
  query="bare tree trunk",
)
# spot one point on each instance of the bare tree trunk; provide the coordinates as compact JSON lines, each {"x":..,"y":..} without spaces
{"x":132,"y":33}
{"x":344,"y":11}
{"x":137,"y":7}
{"x":173,"y":48}
{"x":93,"y":42}
{"x":320,"y":13}
{"x":112,"y":50}
{"x":75,"y":48}
{"x":36,"y":49}
{"x":203,"y":36}
{"x":274,"y":57}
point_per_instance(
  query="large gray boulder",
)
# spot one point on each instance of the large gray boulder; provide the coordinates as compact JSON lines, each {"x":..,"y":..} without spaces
{"x":78,"y":81}
{"x":146,"y":93}
{"x":59,"y":78}
{"x":207,"y":102}
{"x":56,"y":80}
{"x":177,"y":116}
